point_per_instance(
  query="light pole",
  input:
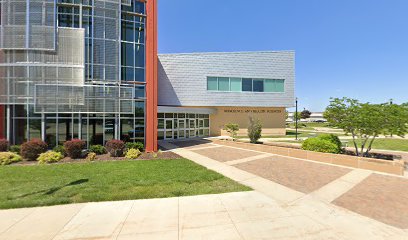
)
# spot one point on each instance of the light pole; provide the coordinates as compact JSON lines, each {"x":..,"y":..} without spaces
{"x":296,"y":119}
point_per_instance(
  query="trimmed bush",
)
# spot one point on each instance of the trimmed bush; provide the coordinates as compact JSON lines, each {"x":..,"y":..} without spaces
{"x":4,"y":145}
{"x":15,"y":149}
{"x":60,"y":149}
{"x":74,"y":148}
{"x":7,"y":158}
{"x":320,"y":145}
{"x":32,"y":149}
{"x":135,"y":145}
{"x":254,"y":130}
{"x":133,"y":153}
{"x":97,"y":149}
{"x":115,"y":148}
{"x":331,"y":138}
{"x":91,"y":156}
{"x":50,"y":157}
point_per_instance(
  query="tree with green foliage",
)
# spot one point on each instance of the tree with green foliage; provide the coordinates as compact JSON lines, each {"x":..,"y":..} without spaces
{"x":254,"y":130}
{"x":366,"y":121}
{"x":232,"y":129}
{"x":305,"y":114}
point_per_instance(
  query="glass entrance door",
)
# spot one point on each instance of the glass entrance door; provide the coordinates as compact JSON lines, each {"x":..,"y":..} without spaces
{"x":182,"y":128}
{"x":192,"y":127}
{"x":201,"y":127}
{"x":168,"y":125}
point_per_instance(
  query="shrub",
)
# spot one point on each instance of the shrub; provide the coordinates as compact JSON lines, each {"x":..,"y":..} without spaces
{"x":60,"y":149}
{"x":7,"y":158}
{"x":135,"y":145}
{"x":331,"y":138}
{"x":97,"y":149}
{"x":15,"y":149}
{"x":254,"y":130}
{"x":32,"y":149}
{"x":115,"y":148}
{"x":320,"y":145}
{"x":49,"y":157}
{"x":232,"y":129}
{"x":133,"y":153}
{"x":4,"y":145}
{"x":91,"y":156}
{"x":74,"y":148}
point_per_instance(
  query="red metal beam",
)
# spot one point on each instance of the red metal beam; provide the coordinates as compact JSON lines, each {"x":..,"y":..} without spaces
{"x":151,"y":76}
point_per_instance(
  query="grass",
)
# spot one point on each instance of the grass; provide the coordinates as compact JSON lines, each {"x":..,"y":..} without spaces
{"x":388,"y":144}
{"x":43,"y":185}
{"x":292,"y":134}
{"x":380,"y":143}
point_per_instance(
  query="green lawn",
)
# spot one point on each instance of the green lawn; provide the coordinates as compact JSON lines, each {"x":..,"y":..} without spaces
{"x":292,"y":134}
{"x":381,"y":143}
{"x":388,"y":144}
{"x":41,"y":185}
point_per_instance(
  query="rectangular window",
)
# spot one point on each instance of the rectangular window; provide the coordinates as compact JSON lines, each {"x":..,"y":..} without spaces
{"x":274,"y":85}
{"x":258,"y":85}
{"x":269,"y":85}
{"x":280,"y":85}
{"x":223,"y":84}
{"x":247,"y":84}
{"x":212,"y":84}
{"x":236,"y":84}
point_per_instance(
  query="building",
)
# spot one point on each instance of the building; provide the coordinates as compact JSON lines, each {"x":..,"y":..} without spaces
{"x":200,"y":92}
{"x":78,"y":69}
{"x":89,"y":69}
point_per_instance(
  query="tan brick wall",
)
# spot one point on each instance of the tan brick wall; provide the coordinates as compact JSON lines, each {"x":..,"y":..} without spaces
{"x":272,"y":119}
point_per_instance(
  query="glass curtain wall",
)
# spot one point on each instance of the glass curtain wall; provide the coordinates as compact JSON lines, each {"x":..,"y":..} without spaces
{"x":114,"y":56}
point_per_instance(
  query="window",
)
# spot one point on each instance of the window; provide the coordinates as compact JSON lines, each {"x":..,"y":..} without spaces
{"x":258,"y":85}
{"x":280,"y":85}
{"x":223,"y":84}
{"x":227,"y":84}
{"x":274,"y":85}
{"x":247,"y":84}
{"x":212,"y":84}
{"x":236,"y":84}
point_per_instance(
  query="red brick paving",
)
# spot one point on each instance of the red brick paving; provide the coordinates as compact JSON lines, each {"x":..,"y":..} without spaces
{"x":224,"y":154}
{"x":302,"y":176}
{"x":383,"y":198}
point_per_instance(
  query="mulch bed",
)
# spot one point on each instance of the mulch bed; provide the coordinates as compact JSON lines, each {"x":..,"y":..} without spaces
{"x":107,"y":157}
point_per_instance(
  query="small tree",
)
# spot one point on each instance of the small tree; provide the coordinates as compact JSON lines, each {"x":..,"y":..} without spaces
{"x":232,"y":129}
{"x":365,"y":121}
{"x":305,"y":114}
{"x":254,"y":130}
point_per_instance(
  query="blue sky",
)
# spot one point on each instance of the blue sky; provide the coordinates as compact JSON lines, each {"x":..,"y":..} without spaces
{"x":353,"y":48}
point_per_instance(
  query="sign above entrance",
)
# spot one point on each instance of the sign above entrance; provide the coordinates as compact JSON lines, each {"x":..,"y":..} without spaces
{"x":251,"y":111}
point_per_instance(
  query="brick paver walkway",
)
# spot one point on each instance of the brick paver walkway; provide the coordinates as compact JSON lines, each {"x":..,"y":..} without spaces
{"x":384,"y":198}
{"x":302,"y":176}
{"x":381,"y":197}
{"x":223,"y":154}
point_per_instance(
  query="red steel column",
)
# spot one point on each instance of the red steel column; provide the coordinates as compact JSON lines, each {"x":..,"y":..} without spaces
{"x":151,"y":76}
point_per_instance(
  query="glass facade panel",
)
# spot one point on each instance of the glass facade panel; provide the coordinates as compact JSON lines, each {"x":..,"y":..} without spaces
{"x":247,"y":84}
{"x":223,"y":84}
{"x":236,"y":84}
{"x":280,"y":85}
{"x":212,"y":84}
{"x":269,"y":85}
{"x":258,"y":85}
